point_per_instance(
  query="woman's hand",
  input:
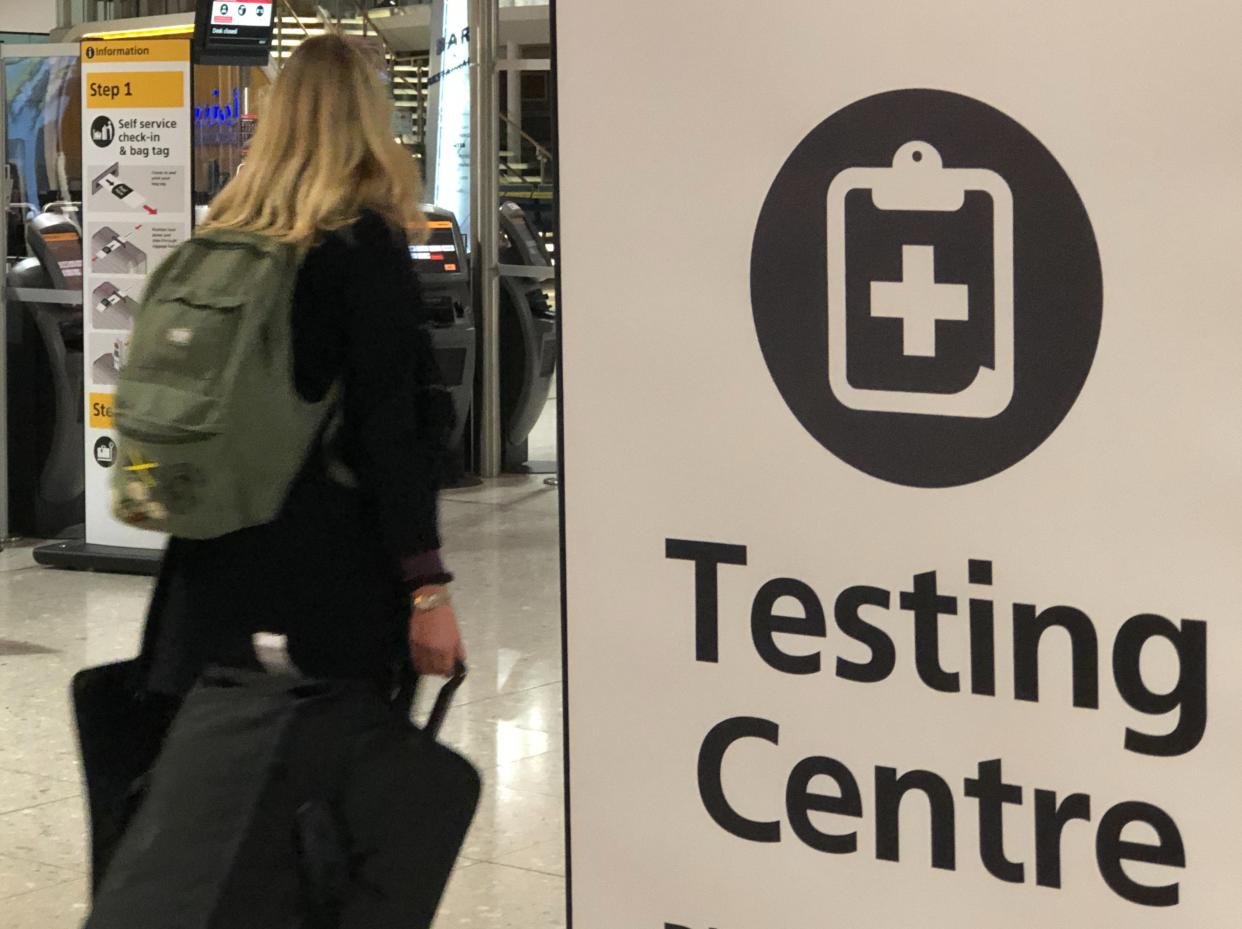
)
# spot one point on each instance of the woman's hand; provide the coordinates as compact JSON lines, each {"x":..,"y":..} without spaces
{"x":435,"y":641}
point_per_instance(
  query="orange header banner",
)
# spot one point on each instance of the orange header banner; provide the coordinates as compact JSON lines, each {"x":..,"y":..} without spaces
{"x":134,"y":51}
{"x":137,"y":89}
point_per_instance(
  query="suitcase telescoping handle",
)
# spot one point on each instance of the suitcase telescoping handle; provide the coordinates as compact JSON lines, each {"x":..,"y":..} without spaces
{"x":444,"y":699}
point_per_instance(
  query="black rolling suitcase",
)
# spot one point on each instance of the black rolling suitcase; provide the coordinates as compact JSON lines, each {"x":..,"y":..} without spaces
{"x":288,"y":803}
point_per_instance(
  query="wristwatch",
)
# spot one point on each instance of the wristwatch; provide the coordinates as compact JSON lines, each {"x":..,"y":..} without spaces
{"x":425,"y":603}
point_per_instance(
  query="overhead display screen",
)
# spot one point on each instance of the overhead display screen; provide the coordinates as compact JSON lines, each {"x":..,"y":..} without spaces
{"x":439,"y":254}
{"x":231,"y":32}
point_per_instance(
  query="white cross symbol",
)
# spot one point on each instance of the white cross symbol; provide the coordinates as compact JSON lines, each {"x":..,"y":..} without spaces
{"x":919,"y":302}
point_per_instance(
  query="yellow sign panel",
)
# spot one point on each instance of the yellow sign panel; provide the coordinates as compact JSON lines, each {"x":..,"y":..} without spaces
{"x":101,"y":410}
{"x":135,"y":89}
{"x":119,"y":52}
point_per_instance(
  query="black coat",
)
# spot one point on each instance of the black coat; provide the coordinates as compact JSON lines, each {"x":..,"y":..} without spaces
{"x":334,"y":570}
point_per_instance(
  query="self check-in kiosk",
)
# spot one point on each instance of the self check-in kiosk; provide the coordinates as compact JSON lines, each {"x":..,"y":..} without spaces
{"x":443,"y":268}
{"x":47,"y":481}
{"x":528,"y":336}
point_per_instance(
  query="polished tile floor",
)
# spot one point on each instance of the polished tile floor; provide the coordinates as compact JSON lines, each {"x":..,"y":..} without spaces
{"x":502,"y":542}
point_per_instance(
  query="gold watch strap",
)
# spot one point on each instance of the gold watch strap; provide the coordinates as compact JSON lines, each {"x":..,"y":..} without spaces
{"x":425,"y":603}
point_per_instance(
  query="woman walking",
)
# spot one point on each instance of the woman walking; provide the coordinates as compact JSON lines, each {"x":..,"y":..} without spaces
{"x":350,"y":570}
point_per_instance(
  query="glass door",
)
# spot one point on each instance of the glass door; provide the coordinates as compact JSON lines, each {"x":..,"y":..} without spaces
{"x":41,"y":414}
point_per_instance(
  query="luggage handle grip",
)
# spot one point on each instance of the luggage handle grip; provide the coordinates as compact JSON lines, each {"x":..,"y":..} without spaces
{"x":444,"y":699}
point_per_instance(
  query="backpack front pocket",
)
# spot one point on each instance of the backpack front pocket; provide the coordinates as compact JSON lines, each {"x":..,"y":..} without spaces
{"x":179,"y":360}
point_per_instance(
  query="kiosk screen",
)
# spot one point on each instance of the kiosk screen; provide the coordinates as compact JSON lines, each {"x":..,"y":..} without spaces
{"x":439,"y":254}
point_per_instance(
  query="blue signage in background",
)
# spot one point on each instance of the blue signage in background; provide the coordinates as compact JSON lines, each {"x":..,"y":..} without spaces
{"x":218,"y":123}
{"x":448,"y":143}
{"x":215,"y":114}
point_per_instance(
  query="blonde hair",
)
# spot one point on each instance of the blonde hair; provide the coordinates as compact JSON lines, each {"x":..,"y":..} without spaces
{"x":323,"y":152}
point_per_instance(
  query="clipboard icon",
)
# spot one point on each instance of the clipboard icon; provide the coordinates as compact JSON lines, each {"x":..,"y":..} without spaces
{"x":917,"y":183}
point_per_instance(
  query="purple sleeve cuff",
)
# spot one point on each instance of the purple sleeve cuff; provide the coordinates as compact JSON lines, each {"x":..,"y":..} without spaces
{"x":424,"y":569}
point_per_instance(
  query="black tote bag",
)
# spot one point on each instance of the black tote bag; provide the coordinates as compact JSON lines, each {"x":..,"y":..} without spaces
{"x":289,"y":803}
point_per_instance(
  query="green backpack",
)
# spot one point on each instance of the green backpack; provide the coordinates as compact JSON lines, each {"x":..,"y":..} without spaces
{"x":212,"y":429}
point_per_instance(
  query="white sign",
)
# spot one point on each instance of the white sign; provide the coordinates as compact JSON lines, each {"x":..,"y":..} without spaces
{"x":448,"y":109}
{"x":136,"y":122}
{"x":902,"y":504}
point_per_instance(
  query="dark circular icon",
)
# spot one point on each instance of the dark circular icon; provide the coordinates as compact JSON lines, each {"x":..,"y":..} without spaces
{"x":105,"y":452}
{"x":102,"y":131}
{"x":90,"y":52}
{"x":926,"y":288}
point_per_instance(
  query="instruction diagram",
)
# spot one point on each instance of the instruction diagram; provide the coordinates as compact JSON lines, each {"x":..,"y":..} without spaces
{"x":114,"y":306}
{"x":108,"y":353}
{"x":112,"y":252}
{"x":139,"y":189}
